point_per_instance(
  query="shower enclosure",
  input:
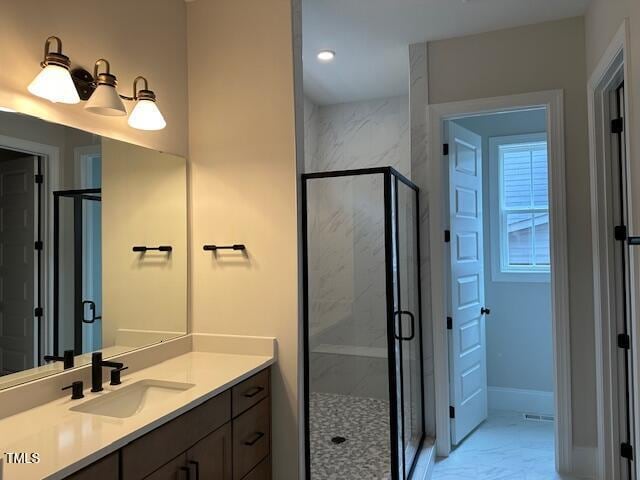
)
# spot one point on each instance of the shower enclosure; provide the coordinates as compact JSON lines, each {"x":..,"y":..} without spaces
{"x":364,"y":409}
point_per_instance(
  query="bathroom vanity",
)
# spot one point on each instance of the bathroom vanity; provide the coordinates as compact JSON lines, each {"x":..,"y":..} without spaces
{"x":226,"y":437}
{"x":201,"y":412}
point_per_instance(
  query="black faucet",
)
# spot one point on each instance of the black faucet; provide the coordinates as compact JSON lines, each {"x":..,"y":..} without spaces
{"x":96,"y":370}
{"x":67,"y":359}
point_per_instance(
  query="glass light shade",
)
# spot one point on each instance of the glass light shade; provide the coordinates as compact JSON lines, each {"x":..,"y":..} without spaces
{"x":146,"y":116}
{"x":54,"y":83}
{"x":106,"y":101}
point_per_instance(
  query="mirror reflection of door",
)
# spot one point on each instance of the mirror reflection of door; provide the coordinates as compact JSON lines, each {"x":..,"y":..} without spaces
{"x":19,"y":269}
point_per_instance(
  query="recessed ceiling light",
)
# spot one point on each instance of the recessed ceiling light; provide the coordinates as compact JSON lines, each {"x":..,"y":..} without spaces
{"x":326,"y":55}
{"x":7,"y":109}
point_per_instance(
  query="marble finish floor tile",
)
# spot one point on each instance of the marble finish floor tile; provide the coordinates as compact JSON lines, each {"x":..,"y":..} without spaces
{"x":504,"y":447}
{"x":363,"y":423}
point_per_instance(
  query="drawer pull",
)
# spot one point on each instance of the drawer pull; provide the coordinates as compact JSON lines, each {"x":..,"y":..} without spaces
{"x":185,"y":473}
{"x":193,"y":465}
{"x":253,"y":392}
{"x":256,"y":436}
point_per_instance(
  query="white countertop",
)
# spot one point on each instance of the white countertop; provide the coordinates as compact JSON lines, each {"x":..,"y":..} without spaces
{"x":67,"y":441}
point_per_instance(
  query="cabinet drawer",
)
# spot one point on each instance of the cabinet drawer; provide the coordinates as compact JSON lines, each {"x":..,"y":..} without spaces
{"x":148,"y":453}
{"x":261,"y":472}
{"x":251,"y":438}
{"x":104,"y":469}
{"x":251,"y":391}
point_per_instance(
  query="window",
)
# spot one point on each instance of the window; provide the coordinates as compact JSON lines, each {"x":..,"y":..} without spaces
{"x":520,"y":208}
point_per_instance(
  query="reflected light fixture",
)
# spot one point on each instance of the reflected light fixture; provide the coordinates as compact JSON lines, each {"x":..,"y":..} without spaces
{"x":105,"y":99}
{"x":54,"y":81}
{"x":326,"y":56}
{"x":146,"y":114}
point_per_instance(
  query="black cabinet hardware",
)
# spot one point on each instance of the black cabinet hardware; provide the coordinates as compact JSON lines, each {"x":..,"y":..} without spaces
{"x":485,"y":311}
{"x":213,"y":248}
{"x":185,"y":473}
{"x":161,"y":248}
{"x":67,"y":359}
{"x":194,"y":470}
{"x":252,"y":392}
{"x":115,"y":376}
{"x":256,"y":436}
{"x":76,"y":390}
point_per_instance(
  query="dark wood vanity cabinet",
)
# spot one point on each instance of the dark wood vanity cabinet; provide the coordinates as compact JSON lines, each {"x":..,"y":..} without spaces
{"x":226,"y":438}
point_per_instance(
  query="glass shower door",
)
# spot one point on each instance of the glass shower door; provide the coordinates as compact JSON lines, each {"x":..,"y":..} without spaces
{"x":407,"y":321}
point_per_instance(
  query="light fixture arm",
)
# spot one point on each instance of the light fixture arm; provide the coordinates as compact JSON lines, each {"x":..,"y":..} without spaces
{"x":143,"y":93}
{"x":47,"y":45}
{"x":97,"y":64}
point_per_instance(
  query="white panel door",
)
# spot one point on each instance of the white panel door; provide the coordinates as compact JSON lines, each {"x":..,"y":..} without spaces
{"x":467,"y":345}
{"x":17,"y":264}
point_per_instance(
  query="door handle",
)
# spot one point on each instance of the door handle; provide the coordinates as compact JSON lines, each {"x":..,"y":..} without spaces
{"x":412,"y":323}
{"x":485,"y":311}
{"x":92,"y":309}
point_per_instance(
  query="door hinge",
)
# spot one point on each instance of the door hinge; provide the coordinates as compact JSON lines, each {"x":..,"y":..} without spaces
{"x":445,"y":149}
{"x":620,"y":233}
{"x":624,"y":341}
{"x":39,"y":245}
{"x":617,"y":125}
{"x":452,"y":412}
{"x":626,"y":451}
{"x":449,"y":323}
{"x":38,"y":312}
{"x":447,"y":236}
{"x":39,"y":178}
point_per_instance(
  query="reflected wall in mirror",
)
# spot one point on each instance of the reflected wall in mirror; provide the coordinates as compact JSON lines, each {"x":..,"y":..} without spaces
{"x":72,"y":207}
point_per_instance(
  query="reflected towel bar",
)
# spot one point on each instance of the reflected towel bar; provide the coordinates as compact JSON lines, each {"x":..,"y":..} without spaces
{"x":161,"y":248}
{"x":213,"y":248}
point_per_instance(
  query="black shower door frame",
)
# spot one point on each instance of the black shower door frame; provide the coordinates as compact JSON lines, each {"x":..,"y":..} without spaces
{"x":392,"y":178}
{"x":78,"y":197}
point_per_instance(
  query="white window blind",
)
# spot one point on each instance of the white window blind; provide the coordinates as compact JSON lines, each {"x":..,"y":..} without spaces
{"x":524,"y":207}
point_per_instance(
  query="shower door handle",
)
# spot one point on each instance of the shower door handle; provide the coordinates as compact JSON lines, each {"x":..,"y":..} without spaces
{"x":412,"y":323}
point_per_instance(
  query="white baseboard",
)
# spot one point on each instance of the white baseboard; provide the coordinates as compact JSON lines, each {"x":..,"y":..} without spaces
{"x":520,"y":400}
{"x":583,"y":462}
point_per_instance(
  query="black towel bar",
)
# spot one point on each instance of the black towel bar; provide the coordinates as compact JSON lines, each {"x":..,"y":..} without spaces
{"x":213,"y":248}
{"x":161,"y":248}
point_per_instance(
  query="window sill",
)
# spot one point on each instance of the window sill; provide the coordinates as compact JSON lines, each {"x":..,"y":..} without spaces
{"x":521,"y":277}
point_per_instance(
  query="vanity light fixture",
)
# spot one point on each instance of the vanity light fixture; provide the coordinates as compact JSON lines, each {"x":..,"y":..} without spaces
{"x":326,"y":56}
{"x":145,"y":115}
{"x":54,"y":81}
{"x":105,"y":99}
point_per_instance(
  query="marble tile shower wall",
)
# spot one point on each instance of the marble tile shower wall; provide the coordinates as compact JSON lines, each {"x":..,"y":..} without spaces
{"x":346,"y":240}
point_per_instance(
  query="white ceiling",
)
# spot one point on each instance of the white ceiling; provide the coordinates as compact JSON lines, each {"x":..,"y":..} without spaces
{"x":371,"y":38}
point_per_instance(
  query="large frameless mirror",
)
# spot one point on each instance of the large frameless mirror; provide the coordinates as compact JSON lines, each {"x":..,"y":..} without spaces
{"x":93,"y":247}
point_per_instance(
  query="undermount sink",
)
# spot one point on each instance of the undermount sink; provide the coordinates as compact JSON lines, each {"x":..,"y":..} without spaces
{"x":132,"y":399}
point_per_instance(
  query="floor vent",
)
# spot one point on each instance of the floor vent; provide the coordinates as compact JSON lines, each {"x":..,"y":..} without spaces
{"x":536,"y":417}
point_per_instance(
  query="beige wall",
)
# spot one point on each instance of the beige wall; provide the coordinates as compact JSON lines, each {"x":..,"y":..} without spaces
{"x":243,"y":188}
{"x":602,"y":21}
{"x":527,"y":59}
{"x":144,"y":203}
{"x":142,"y":37}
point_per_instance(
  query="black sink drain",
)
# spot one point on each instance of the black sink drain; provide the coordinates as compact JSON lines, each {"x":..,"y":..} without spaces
{"x":338,"y":440}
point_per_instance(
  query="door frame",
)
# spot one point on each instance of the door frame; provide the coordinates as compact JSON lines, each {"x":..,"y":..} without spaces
{"x":613,"y":66}
{"x":437,"y":114}
{"x":51,"y":170}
